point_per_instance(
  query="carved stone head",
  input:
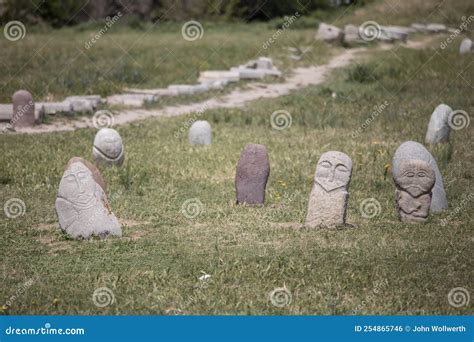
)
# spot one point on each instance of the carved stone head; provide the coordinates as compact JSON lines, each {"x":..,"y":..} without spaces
{"x":333,"y":171}
{"x":78,"y":186}
{"x":109,"y":143}
{"x":415,"y":177}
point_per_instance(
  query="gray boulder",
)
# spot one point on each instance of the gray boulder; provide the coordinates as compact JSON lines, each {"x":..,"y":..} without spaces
{"x":329,"y":33}
{"x":200,"y":133}
{"x":438,"y":128}
{"x":466,"y":46}
{"x":108,"y":147}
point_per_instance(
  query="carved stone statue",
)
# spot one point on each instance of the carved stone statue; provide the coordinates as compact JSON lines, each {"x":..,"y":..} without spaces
{"x":81,"y":203}
{"x":108,"y":147}
{"x":328,"y":200}
{"x":414,"y":181}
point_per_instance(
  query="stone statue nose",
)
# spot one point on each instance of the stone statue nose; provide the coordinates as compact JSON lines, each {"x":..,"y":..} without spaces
{"x":79,"y":185}
{"x":331,"y":177}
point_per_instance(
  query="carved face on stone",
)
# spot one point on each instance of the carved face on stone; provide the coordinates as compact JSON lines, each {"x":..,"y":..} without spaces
{"x":78,"y":186}
{"x":333,"y":171}
{"x":109,"y":142}
{"x":415,"y":177}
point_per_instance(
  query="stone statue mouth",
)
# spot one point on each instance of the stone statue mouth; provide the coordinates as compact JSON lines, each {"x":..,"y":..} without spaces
{"x":415,"y":190}
{"x":84,"y":200}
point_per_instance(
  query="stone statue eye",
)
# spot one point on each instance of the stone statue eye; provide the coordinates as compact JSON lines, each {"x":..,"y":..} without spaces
{"x":70,"y":178}
{"x":410,"y":174}
{"x":82,"y":175}
{"x":325,"y":164}
{"x":422,"y":174}
{"x":341,"y":168}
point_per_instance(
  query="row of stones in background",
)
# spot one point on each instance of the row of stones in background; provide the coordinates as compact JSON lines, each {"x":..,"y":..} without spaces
{"x":208,"y":80}
{"x":370,"y":31}
{"x":83,"y":209}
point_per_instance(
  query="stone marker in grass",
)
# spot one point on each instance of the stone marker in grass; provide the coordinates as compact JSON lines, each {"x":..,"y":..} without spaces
{"x":252,"y":174}
{"x":81,"y":203}
{"x":466,"y":46}
{"x":438,"y":127}
{"x":200,"y":133}
{"x":329,"y":33}
{"x":108,"y":147}
{"x":411,"y":150}
{"x":414,"y":180}
{"x":328,"y":200}
{"x":23,"y":109}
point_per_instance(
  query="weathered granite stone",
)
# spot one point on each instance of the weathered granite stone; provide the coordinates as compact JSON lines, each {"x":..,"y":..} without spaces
{"x":82,"y":106}
{"x":108,"y":147}
{"x":23,"y":109}
{"x":252,"y":174}
{"x":466,"y":46}
{"x":53,"y":108}
{"x":438,"y":128}
{"x":229,"y":76}
{"x":411,"y":150}
{"x":414,"y":181}
{"x":436,"y":28}
{"x":396,"y":32}
{"x":419,"y":27}
{"x":6,"y":112}
{"x":130,"y":100}
{"x":351,"y":35}
{"x":328,"y":200}
{"x":329,"y":33}
{"x":200,"y":133}
{"x":81,"y":203}
{"x":95,"y":100}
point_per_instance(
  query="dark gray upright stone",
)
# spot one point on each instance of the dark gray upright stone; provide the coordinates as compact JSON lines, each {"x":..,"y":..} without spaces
{"x":252,"y":174}
{"x":411,"y":150}
{"x":23,"y":109}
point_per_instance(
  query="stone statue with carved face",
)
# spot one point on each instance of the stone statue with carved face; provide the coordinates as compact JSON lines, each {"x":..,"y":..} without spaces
{"x":82,"y":205}
{"x":328,"y":200}
{"x":414,"y":181}
{"x":108,"y":147}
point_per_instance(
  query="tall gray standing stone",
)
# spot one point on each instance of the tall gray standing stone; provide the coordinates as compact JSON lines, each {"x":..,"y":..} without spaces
{"x":81,"y":203}
{"x":108,"y":147}
{"x":252,"y":174}
{"x":327,"y":204}
{"x":411,"y":150}
{"x":200,"y":133}
{"x":23,"y":109}
{"x":466,"y":46}
{"x":438,"y":127}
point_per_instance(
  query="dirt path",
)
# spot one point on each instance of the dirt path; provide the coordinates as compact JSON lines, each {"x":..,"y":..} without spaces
{"x":300,"y":78}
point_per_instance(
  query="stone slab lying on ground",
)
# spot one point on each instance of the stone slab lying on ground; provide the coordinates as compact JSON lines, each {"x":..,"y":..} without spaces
{"x":95,"y":100}
{"x":329,"y":33}
{"x":52,"y":108}
{"x":396,"y":32}
{"x":419,"y":27}
{"x":411,"y":150}
{"x":229,"y":76}
{"x":130,"y":100}
{"x":352,"y":35}
{"x":185,"y":89}
{"x":436,"y":28}
{"x":438,"y":127}
{"x":6,"y":112}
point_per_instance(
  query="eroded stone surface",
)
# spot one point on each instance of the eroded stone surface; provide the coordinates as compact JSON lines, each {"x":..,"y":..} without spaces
{"x":414,"y":181}
{"x":411,"y":150}
{"x":438,"y":128}
{"x":466,"y":46}
{"x":81,"y":203}
{"x":329,"y":33}
{"x":328,"y":200}
{"x":108,"y":147}
{"x":200,"y":133}
{"x":23,"y":109}
{"x":252,"y":174}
